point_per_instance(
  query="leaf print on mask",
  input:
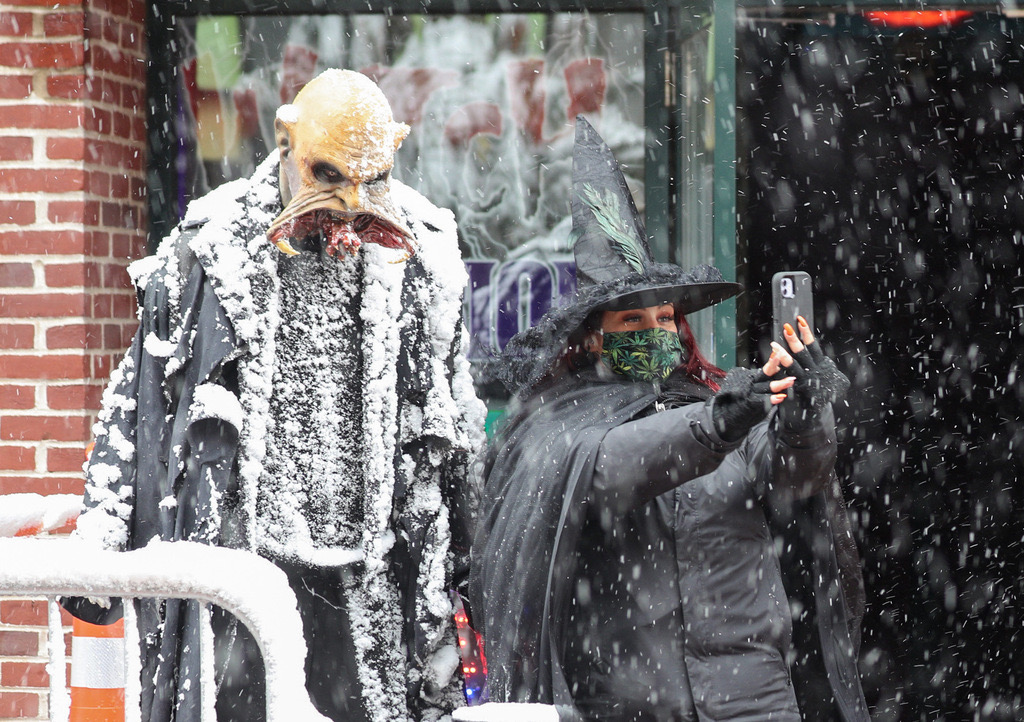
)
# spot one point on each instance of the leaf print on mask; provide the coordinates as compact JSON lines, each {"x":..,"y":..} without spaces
{"x":650,"y":354}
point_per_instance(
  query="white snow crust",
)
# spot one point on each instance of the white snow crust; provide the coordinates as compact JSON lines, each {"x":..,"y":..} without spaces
{"x":35,"y":512}
{"x":507,"y":712}
{"x":252,"y":588}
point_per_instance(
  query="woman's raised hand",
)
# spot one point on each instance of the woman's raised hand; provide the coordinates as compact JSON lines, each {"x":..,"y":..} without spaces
{"x":817,"y":380}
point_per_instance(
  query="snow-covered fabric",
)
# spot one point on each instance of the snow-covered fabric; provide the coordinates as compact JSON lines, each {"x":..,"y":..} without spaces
{"x":313,"y":409}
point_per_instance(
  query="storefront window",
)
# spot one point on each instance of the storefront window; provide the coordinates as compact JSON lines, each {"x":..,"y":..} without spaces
{"x":491,"y":100}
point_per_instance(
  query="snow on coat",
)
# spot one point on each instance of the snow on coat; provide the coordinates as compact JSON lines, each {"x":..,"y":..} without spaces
{"x":195,"y":425}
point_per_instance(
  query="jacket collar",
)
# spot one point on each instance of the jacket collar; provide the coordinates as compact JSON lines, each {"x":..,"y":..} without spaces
{"x":231,"y":246}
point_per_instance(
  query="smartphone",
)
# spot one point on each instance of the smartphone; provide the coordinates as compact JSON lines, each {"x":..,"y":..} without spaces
{"x":791,"y":297}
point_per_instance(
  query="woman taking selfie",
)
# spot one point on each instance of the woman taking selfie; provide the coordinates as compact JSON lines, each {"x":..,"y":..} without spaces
{"x":640,"y":505}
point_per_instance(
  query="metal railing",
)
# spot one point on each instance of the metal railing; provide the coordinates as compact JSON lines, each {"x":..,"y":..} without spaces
{"x":246,"y":585}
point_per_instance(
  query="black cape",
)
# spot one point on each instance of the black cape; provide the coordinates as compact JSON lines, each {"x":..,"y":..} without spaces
{"x":538,"y":474}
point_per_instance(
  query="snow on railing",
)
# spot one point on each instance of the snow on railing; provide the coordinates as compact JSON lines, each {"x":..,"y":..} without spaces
{"x":27,"y":514}
{"x":250,"y":587}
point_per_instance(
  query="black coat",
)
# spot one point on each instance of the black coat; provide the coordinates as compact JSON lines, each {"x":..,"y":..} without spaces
{"x":643,"y":576}
{"x":181,"y":445}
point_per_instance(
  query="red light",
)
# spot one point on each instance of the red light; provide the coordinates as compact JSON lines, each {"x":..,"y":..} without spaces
{"x":916,"y":18}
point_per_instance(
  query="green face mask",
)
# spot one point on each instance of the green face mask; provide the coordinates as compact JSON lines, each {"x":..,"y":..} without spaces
{"x":647,"y":355}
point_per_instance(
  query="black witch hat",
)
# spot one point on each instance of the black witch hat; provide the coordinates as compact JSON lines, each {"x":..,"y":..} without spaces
{"x":614,"y":266}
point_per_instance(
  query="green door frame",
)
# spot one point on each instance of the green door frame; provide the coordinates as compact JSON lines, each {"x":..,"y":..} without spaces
{"x":724,"y":226}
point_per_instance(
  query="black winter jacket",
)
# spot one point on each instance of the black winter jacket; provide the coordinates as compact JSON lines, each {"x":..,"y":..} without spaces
{"x":663,"y":596}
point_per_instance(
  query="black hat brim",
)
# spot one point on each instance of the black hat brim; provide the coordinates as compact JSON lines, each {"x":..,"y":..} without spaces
{"x":688,"y":298}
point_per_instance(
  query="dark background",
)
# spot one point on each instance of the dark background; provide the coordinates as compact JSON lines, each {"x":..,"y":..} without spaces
{"x":889,"y":164}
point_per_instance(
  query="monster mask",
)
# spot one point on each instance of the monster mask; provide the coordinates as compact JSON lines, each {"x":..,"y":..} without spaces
{"x":338,"y":140}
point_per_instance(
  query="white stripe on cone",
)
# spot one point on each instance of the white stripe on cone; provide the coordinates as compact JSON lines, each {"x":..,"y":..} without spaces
{"x":97,"y":662}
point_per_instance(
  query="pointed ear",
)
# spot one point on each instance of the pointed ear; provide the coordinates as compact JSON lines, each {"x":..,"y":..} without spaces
{"x":401,"y":133}
{"x":283,"y":136}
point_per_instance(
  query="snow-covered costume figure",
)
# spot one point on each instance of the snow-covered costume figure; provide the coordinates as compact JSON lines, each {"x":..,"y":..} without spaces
{"x":313,"y":405}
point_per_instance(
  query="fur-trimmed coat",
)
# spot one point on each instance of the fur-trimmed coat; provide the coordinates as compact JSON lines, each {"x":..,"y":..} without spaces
{"x":193,"y":434}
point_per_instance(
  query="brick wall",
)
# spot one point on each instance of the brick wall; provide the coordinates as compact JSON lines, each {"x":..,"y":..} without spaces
{"x":72,"y":188}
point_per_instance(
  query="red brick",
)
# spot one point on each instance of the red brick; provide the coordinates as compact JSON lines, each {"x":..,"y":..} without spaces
{"x":17,"y":335}
{"x":65,"y":148}
{"x":16,"y":148}
{"x":24,"y":612}
{"x":123,"y":306}
{"x":103,"y":90}
{"x":44,"y":428}
{"x":17,"y":275}
{"x":103,"y":365}
{"x":17,"y":458}
{"x":64,"y":366}
{"x":111,"y":336}
{"x":101,"y":305}
{"x":105,"y":27}
{"x":58,"y":55}
{"x":20,"y":213}
{"x":97,"y":243}
{"x":57,"y":117}
{"x":15,"y":86}
{"x":42,"y":305}
{"x":17,"y":397}
{"x":75,"y":335}
{"x":99,"y":184}
{"x":139,"y":189}
{"x":49,"y":484}
{"x":122,"y":125}
{"x":116,"y":62}
{"x":49,"y":180}
{"x":64,"y":275}
{"x":131,"y":38}
{"x":129,"y":246}
{"x":70,"y":23}
{"x":87,"y":212}
{"x":48,"y":242}
{"x":65,"y":86}
{"x":24,"y":674}
{"x":16,"y":24}
{"x":118,"y":215}
{"x":115,"y":276}
{"x":18,"y":644}
{"x":19,"y":705}
{"x":65,"y":460}
{"x":128,"y":333}
{"x":139,"y":128}
{"x":98,"y":120}
{"x":74,"y":397}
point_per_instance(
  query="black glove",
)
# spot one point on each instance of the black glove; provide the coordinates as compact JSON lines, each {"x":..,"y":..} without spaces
{"x":819,"y":382}
{"x":743,"y":401}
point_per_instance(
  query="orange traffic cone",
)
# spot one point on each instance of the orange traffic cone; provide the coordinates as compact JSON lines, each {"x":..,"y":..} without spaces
{"x":97,"y":672}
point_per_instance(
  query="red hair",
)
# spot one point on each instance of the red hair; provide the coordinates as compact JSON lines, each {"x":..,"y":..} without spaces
{"x":697,"y":365}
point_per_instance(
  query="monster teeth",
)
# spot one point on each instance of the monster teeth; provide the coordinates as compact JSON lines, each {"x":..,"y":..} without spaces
{"x":285,"y":247}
